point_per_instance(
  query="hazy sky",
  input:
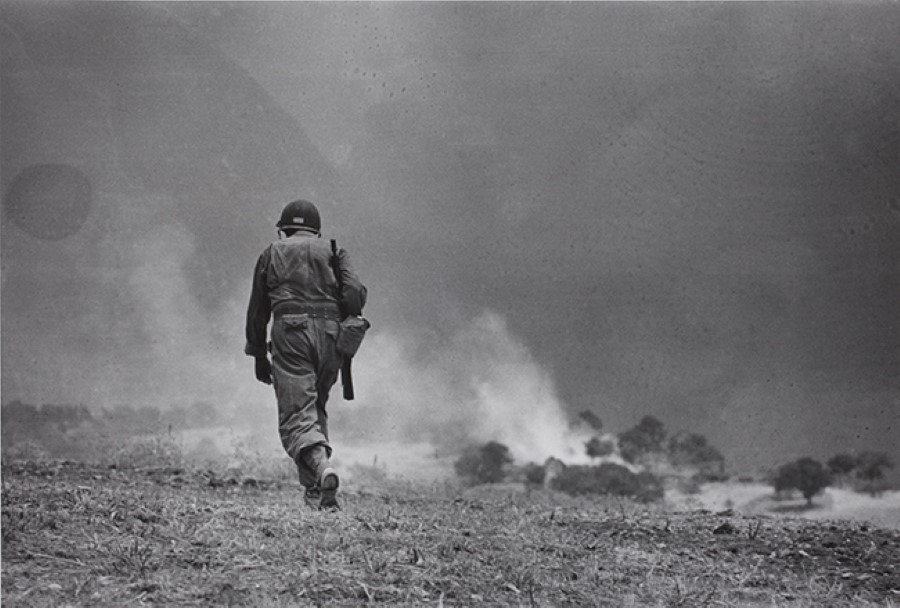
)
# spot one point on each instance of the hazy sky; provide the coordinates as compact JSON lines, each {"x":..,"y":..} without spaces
{"x":690,"y":210}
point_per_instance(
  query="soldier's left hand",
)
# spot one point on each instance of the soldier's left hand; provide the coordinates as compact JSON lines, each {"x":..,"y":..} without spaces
{"x":263,"y":370}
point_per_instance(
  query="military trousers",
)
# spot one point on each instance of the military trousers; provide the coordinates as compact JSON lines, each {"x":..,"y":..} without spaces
{"x":305,"y":365}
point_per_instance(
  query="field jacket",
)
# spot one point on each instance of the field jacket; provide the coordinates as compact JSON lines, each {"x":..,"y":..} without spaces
{"x":296,"y":271}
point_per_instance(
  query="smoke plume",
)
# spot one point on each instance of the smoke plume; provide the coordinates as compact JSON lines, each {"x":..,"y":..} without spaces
{"x":478,"y":384}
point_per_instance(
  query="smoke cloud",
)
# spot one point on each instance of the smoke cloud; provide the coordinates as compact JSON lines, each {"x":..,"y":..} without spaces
{"x":480,"y":383}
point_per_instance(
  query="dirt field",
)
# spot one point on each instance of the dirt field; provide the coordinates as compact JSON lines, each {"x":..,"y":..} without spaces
{"x":84,"y":535}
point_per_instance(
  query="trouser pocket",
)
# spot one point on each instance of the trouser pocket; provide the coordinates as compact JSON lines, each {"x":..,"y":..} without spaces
{"x":292,"y":342}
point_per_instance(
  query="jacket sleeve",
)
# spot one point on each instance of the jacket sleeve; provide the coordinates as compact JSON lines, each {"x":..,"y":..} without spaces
{"x":259,"y":310}
{"x":353,"y":297}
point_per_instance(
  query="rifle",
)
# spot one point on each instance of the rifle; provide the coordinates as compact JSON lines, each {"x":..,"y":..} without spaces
{"x":346,"y":367}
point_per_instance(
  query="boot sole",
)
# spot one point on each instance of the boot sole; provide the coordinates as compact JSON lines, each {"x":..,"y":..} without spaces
{"x":329,"y":487}
{"x":312,"y":500}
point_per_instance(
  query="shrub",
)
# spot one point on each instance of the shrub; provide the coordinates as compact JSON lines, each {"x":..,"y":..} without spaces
{"x":870,"y":469}
{"x":483,"y":464}
{"x":805,"y":474}
{"x":534,"y":474}
{"x":871,"y":465}
{"x":841,"y":464}
{"x":598,"y":448}
{"x":645,"y":438}
{"x":693,"y":450}
{"x":608,"y":478}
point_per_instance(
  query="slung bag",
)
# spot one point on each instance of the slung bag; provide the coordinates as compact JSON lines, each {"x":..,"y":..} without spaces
{"x":353,"y":328}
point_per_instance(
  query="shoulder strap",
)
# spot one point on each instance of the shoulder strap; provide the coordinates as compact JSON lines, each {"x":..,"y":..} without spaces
{"x":346,"y":366}
{"x":338,"y":276}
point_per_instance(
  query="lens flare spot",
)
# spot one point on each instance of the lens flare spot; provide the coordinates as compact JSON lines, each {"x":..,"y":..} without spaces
{"x":49,"y":201}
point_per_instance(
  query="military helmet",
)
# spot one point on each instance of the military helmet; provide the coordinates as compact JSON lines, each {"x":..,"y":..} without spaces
{"x":300,"y":215}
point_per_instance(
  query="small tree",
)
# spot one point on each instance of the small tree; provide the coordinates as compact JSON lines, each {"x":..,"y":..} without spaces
{"x":483,"y":464}
{"x":870,"y":468}
{"x":871,"y":465}
{"x":608,"y":478}
{"x":693,"y":450}
{"x":841,"y":464}
{"x":805,"y":474}
{"x":596,"y":447}
{"x":534,"y":474}
{"x":645,"y":438}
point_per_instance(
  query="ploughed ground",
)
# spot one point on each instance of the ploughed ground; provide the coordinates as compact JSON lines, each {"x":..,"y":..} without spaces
{"x":86,"y":535}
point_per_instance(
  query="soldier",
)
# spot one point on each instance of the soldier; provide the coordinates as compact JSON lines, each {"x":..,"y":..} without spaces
{"x":295,"y":282}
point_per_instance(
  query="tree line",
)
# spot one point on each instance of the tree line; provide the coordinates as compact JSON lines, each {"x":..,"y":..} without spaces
{"x":650,"y":448}
{"x":647,"y":445}
{"x":61,"y":430}
{"x":865,"y":472}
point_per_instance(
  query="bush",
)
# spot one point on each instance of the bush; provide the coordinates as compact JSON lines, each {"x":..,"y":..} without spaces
{"x":534,"y":474}
{"x":645,"y":438}
{"x":841,"y":464}
{"x":870,"y":468}
{"x":694,"y":451}
{"x":805,"y":474}
{"x":871,"y":465}
{"x":484,"y":464}
{"x":598,"y":448}
{"x":608,"y":478}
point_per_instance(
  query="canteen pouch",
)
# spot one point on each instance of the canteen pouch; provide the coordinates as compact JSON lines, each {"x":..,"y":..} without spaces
{"x":353,"y":330}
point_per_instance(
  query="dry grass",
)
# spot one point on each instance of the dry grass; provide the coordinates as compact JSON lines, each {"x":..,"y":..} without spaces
{"x":76,"y":535}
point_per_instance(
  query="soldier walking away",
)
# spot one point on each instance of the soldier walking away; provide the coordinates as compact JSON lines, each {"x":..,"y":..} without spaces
{"x":306,"y":288}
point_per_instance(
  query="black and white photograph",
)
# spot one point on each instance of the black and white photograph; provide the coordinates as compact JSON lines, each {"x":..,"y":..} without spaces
{"x":450,"y":303}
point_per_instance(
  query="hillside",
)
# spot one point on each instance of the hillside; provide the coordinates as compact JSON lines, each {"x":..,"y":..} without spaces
{"x":80,"y":535}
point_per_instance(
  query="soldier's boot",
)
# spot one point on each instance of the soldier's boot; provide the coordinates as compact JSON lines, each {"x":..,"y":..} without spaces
{"x":309,"y":481}
{"x":316,"y":458}
{"x":313,"y":497}
{"x":329,"y":484}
